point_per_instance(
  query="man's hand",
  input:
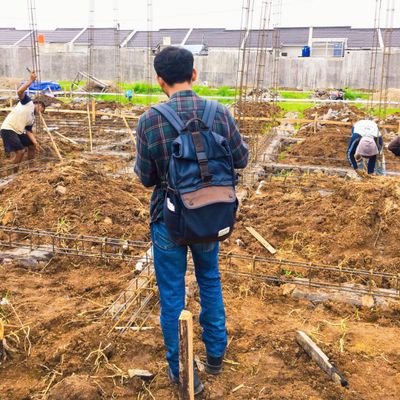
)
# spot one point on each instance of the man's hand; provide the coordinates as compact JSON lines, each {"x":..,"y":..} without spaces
{"x":38,"y":147}
{"x":21,"y":90}
{"x":361,"y":173}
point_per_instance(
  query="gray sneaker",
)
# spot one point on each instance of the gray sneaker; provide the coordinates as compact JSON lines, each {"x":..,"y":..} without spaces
{"x":198,"y":385}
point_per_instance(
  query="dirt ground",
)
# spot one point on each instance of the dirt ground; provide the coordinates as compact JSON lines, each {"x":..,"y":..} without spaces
{"x":63,"y":305}
{"x":325,"y":219}
{"x":76,"y":198}
{"x":55,"y":312}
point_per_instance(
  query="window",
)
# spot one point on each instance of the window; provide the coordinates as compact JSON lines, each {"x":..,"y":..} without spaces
{"x":328,"y":48}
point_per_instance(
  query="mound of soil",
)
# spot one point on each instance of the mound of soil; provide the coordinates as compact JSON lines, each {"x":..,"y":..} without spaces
{"x":335,"y":112}
{"x":75,"y":197}
{"x":327,"y":220}
{"x":328,"y":146}
{"x":75,"y":387}
{"x":257,"y":109}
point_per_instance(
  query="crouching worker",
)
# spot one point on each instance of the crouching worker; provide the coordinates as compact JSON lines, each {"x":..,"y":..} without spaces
{"x":177,"y":128}
{"x":394,"y":146}
{"x":16,"y":130}
{"x":365,"y":145}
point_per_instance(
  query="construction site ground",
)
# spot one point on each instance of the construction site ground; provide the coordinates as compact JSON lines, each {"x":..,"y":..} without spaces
{"x":63,"y":342}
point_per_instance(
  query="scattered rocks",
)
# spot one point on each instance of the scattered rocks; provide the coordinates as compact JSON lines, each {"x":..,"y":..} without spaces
{"x":108,"y":221}
{"x":61,"y":190}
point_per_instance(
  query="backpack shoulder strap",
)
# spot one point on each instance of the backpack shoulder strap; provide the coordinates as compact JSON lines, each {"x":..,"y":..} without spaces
{"x":209,"y":113}
{"x":170,"y":115}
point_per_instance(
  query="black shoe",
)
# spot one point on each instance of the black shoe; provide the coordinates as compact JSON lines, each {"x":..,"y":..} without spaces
{"x":198,"y":386}
{"x":214,"y":365}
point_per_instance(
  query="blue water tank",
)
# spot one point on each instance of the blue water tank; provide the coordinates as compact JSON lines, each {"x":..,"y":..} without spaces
{"x":306,"y":51}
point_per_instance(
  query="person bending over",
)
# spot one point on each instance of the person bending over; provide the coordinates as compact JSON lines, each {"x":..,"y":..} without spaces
{"x":16,"y":130}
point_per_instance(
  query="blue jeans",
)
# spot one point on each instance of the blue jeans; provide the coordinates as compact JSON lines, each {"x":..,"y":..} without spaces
{"x":170,"y":267}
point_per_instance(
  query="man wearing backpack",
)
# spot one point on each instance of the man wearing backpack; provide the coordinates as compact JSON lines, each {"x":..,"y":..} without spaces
{"x":155,"y":137}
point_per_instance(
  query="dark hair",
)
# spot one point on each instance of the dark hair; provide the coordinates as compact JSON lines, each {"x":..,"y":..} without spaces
{"x":174,"y":65}
{"x":40,"y":102}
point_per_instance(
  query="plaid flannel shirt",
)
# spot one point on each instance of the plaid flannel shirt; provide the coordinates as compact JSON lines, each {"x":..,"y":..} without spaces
{"x":154,"y":137}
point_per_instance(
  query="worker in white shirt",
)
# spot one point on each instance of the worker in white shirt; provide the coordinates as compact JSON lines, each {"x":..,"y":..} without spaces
{"x":16,"y":130}
{"x":364,"y":147}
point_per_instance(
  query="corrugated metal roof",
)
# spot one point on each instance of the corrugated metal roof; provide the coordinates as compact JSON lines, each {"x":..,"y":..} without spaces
{"x":294,"y":36}
{"x":331,"y":32}
{"x":9,"y":36}
{"x":141,"y":39}
{"x":257,"y":38}
{"x":103,"y":36}
{"x":356,"y":38}
{"x":58,"y":36}
{"x":212,"y":37}
{"x":391,"y":39}
{"x":362,"y":38}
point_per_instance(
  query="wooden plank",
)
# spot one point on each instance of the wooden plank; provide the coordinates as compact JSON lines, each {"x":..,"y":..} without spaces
{"x":288,"y":120}
{"x":129,"y":130}
{"x":90,"y":128}
{"x":267,"y":245}
{"x":51,"y":137}
{"x":315,"y":123}
{"x":320,"y":358}
{"x":57,"y":111}
{"x":93,"y":110}
{"x":186,"y":382}
{"x":66,"y":138}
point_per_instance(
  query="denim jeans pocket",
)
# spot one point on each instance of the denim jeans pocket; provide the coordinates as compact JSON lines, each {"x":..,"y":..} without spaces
{"x":161,"y":237}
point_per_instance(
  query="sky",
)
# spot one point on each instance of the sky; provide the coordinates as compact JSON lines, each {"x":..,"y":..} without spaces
{"x":133,"y":14}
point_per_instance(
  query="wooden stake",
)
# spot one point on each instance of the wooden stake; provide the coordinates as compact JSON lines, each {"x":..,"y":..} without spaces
{"x":67,"y":138}
{"x":90,"y":128}
{"x":268,"y":246}
{"x":51,"y":137}
{"x":186,"y":383}
{"x":11,"y":102}
{"x":93,"y":110}
{"x":320,"y":358}
{"x":129,"y":130}
{"x":315,"y":123}
{"x":398,"y":130}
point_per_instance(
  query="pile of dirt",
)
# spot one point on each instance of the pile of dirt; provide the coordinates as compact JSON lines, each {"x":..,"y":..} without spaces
{"x":256,"y":109}
{"x":335,"y":112}
{"x":327,"y":146}
{"x":48,"y":100}
{"x":327,"y":220}
{"x":393,"y":119}
{"x":77,"y":198}
{"x":10,"y":83}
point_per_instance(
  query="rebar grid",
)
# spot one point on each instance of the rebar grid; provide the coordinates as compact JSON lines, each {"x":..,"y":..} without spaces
{"x":311,"y":274}
{"x":287,"y":178}
{"x":136,"y":303}
{"x":132,"y":308}
{"x":72,"y":245}
{"x":8,"y":170}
